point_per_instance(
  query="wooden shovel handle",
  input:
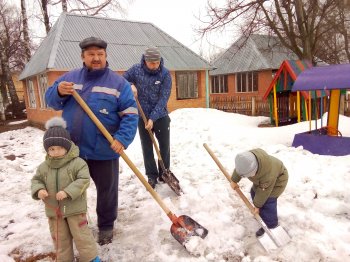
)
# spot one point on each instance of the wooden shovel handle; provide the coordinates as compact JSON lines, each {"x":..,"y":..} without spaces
{"x":234,"y":185}
{"x":151,"y":135}
{"x":108,"y":136}
{"x":243,"y":197}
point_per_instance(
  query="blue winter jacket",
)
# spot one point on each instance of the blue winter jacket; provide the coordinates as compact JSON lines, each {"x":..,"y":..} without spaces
{"x":153,"y":88}
{"x":110,"y":98}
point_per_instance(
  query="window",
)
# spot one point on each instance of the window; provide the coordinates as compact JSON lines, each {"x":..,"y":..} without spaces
{"x":42,"y":80}
{"x":186,"y":85}
{"x":247,"y":82}
{"x":31,"y":94}
{"x":219,"y":84}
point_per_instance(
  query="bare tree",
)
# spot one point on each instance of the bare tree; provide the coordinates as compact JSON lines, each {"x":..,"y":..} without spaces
{"x":300,"y":25}
{"x":25,"y":30}
{"x":44,"y":10}
{"x":85,"y":7}
{"x":10,"y":43}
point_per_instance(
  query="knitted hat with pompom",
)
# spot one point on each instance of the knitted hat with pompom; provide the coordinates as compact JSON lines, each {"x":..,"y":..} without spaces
{"x":56,"y":134}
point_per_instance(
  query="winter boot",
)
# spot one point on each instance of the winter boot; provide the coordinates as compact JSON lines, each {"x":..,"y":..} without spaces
{"x":260,"y":232}
{"x":152,"y":182}
{"x":96,"y":259}
{"x":105,"y":237}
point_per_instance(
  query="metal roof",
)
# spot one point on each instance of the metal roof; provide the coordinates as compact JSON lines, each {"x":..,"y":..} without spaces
{"x":255,"y":53}
{"x":126,"y":40}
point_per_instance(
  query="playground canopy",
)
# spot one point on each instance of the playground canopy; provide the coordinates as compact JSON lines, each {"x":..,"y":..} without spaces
{"x":332,"y":78}
{"x":323,"y":78}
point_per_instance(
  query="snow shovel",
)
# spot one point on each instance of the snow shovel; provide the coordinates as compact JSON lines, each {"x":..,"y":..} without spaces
{"x":274,"y":238}
{"x":167,"y":175}
{"x":183,"y":227}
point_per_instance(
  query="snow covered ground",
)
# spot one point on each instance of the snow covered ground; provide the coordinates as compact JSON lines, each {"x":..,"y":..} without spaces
{"x":314,"y":209}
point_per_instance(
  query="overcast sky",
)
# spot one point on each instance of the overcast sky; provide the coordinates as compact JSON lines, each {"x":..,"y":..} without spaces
{"x":179,"y":19}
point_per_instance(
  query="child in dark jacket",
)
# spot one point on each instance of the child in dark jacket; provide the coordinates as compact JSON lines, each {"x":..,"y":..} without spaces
{"x":61,"y":182}
{"x":269,"y":177}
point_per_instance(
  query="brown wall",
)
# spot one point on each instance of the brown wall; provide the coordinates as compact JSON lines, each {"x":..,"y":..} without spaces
{"x":38,"y":116}
{"x":174,"y":104}
{"x":19,"y":86}
{"x":264,"y":78}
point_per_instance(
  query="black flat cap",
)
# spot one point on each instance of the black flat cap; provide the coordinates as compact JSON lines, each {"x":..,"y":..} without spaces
{"x":92,"y":41}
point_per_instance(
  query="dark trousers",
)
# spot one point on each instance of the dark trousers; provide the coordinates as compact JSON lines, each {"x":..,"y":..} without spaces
{"x":161,"y":130}
{"x":105,"y":174}
{"x":268,"y":212}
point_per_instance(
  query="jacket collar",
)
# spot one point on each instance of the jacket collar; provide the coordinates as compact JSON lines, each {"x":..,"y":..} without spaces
{"x":96,"y":72}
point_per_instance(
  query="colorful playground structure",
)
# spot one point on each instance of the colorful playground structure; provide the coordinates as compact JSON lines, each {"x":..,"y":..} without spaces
{"x":325,"y":84}
{"x":301,"y":92}
{"x":286,"y":106}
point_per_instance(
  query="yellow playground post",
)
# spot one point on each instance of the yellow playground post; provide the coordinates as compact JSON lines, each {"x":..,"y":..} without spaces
{"x":333,"y":113}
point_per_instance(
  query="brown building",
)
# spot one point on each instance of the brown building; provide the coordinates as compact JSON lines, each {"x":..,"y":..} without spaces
{"x":246,"y":69}
{"x":59,"y":52}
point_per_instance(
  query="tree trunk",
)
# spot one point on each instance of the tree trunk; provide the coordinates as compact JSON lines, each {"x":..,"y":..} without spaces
{"x":3,"y":88}
{"x":64,"y":6}
{"x":25,"y":30}
{"x":9,"y":82}
{"x":44,"y":5}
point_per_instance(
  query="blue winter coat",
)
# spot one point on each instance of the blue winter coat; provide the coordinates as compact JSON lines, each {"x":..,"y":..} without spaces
{"x":153,"y":88}
{"x":110,"y":98}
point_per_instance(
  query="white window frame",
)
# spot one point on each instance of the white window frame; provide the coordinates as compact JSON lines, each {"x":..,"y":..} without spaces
{"x":31,"y":94}
{"x":219,"y":84}
{"x":186,"y":85}
{"x":42,"y":82}
{"x":247,"y":82}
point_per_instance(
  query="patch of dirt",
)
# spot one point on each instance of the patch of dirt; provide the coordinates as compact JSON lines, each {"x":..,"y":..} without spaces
{"x":18,"y":257}
{"x":10,"y":157}
{"x":10,"y":125}
{"x":266,"y":125}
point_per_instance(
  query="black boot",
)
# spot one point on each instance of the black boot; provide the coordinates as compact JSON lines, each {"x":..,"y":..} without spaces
{"x":105,"y":237}
{"x":152,"y":182}
{"x":260,"y":232}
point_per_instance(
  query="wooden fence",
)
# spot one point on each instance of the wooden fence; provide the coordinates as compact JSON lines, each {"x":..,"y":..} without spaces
{"x":251,"y":106}
{"x":255,"y":106}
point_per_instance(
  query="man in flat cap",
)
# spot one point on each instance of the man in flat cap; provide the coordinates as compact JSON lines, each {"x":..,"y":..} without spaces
{"x":110,"y":97}
{"x":151,"y":83}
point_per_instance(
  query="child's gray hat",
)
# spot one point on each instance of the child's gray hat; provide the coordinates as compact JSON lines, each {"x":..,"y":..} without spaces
{"x":56,"y":134}
{"x":246,"y":164}
{"x":152,"y":54}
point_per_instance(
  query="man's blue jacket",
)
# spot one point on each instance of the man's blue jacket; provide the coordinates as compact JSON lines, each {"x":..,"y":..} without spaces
{"x":110,"y":97}
{"x":153,"y":88}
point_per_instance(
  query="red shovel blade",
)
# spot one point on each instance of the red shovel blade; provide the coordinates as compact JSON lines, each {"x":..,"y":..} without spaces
{"x":185,"y":227}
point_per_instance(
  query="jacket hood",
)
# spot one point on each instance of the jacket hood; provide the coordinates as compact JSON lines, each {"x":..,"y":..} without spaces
{"x":61,"y":161}
{"x":262,"y":157}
